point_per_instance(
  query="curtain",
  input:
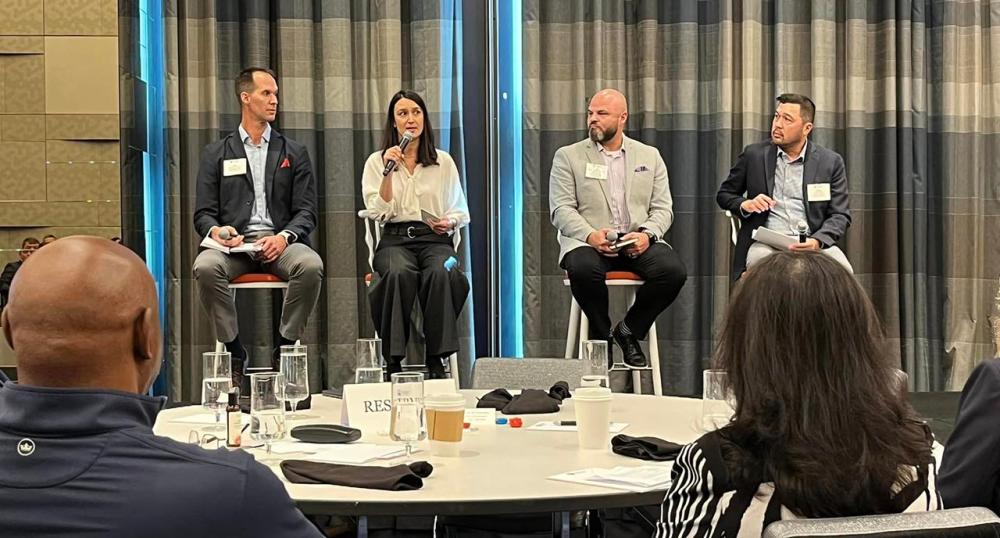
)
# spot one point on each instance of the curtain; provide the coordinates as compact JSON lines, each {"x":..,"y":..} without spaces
{"x":906,"y":91}
{"x":338,"y":64}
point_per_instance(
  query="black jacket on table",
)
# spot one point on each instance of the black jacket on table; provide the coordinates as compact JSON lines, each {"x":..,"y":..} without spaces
{"x":753,"y":174}
{"x":76,"y":462}
{"x":228,"y":200}
{"x":970,"y":468}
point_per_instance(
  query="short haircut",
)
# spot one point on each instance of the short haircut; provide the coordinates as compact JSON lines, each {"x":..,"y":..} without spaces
{"x":244,"y":81}
{"x":29,"y":241}
{"x":807,"y":109}
{"x":49,"y":236}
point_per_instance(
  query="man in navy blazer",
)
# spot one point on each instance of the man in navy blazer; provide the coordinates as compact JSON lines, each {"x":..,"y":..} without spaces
{"x":785,"y":182}
{"x":256,"y":185}
{"x":970,"y":468}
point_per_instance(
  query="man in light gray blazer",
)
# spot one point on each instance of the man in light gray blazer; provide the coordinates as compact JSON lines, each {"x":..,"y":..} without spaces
{"x":606,"y":187}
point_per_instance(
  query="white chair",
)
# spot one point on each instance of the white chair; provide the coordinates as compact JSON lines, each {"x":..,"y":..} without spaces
{"x":255,"y":281}
{"x":957,"y":522}
{"x":579,"y":324}
{"x":373,"y":234}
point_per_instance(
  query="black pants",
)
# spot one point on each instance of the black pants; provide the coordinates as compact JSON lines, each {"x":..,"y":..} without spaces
{"x":405,"y":269}
{"x":659,"y":266}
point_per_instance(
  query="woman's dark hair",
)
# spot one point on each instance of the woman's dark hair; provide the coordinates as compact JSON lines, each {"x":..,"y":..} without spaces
{"x":819,"y":409}
{"x":426,"y":153}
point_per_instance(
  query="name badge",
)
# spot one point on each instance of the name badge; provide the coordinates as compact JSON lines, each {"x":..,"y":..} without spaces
{"x":818,"y":192}
{"x":597,"y":171}
{"x":234,"y":167}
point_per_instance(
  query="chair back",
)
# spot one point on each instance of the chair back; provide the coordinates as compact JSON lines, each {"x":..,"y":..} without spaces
{"x":956,"y":522}
{"x":516,"y":373}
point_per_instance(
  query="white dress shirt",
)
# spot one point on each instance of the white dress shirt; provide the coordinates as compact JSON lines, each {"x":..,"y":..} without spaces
{"x":436,"y":189}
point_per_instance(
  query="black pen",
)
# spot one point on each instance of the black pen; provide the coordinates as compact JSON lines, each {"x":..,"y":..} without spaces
{"x":565,"y":423}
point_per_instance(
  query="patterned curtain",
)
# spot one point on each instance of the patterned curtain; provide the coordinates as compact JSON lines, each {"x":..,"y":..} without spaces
{"x":338,"y":63}
{"x":906,"y":91}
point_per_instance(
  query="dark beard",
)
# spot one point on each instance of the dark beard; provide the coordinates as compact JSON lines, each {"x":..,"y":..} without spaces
{"x":599,"y":135}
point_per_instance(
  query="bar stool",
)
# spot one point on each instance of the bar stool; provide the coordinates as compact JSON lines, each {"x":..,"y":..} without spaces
{"x":373,"y":234}
{"x":579,"y":324}
{"x":255,"y":281}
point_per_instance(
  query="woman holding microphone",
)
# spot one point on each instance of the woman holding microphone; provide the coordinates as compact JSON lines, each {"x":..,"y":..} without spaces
{"x":413,"y":189}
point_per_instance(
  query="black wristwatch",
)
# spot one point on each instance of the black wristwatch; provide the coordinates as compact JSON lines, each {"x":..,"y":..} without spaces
{"x":652,"y":236}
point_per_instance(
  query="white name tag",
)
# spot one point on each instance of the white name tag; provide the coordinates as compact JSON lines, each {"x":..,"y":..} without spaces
{"x":597,"y":171}
{"x":818,"y":192}
{"x":234,"y":167}
{"x":367,"y":406}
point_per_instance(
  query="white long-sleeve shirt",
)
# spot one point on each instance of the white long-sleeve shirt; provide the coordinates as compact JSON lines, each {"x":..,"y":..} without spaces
{"x":436,"y":189}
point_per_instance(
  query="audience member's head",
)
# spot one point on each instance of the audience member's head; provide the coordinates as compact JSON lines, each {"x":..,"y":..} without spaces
{"x":48,"y":239}
{"x":116,"y":239}
{"x":818,"y":407}
{"x":28,"y":246}
{"x":83,"y":312}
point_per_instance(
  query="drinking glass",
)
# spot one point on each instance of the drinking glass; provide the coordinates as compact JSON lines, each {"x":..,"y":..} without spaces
{"x":294,"y":365}
{"x":369,"y":356}
{"x":406,"y":422}
{"x":216,"y":382}
{"x":717,"y":402}
{"x":267,"y":407}
{"x":594,"y":354}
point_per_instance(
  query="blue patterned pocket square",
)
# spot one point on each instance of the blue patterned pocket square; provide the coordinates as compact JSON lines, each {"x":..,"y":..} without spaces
{"x":641,"y":168}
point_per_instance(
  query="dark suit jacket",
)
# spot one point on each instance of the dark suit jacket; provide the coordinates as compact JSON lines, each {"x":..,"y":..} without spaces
{"x":291,"y":189}
{"x":6,"y":278}
{"x":753,"y":174}
{"x":970,"y":468}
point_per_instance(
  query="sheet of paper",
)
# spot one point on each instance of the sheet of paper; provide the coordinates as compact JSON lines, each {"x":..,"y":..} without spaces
{"x":208,"y":419}
{"x":354,"y":453}
{"x":772,"y":238}
{"x":639,"y":479}
{"x":549,"y":426}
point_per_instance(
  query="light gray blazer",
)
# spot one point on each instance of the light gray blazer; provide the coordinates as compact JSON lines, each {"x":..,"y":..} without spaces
{"x":579,"y":205}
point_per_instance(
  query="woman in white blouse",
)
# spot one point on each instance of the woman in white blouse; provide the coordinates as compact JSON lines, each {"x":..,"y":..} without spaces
{"x":421,"y":204}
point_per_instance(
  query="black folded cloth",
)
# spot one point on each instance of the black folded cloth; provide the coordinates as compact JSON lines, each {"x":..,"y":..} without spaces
{"x":645,"y":448}
{"x":530,"y":402}
{"x":496,"y":398}
{"x":560,"y":391}
{"x":396,"y":478}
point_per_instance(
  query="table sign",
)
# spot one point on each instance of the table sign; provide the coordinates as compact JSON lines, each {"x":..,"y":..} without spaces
{"x":367,"y":405}
{"x":481,"y":417}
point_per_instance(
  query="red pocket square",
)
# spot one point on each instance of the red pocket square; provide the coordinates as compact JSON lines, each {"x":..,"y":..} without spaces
{"x":285,"y":163}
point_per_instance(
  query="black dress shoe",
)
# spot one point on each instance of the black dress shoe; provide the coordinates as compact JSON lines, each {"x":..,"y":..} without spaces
{"x":393,"y":365}
{"x":631,"y":351}
{"x":435,"y":368}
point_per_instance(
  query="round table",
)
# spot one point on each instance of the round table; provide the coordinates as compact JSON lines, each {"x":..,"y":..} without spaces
{"x":501,"y":470}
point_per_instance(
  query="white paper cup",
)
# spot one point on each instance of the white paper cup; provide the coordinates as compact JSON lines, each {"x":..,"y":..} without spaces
{"x":445,"y":423}
{"x":593,"y":416}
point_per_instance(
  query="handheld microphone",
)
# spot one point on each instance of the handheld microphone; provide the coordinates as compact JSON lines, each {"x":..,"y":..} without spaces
{"x":803,"y":229}
{"x":611,"y":236}
{"x":391,"y":165}
{"x":224,"y":234}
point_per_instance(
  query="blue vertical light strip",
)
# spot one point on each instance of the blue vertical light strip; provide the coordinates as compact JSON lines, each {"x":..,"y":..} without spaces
{"x":510,"y":166}
{"x":151,"y":67}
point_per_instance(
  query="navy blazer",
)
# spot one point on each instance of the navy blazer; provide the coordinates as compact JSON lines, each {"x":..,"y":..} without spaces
{"x":970,"y":468}
{"x":228,"y":200}
{"x":753,"y":174}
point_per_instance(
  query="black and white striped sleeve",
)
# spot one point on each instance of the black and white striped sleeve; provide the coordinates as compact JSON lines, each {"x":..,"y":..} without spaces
{"x":690,"y":506}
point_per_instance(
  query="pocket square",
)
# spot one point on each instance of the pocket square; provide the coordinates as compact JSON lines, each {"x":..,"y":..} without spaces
{"x":641,"y":168}
{"x":285,"y":163}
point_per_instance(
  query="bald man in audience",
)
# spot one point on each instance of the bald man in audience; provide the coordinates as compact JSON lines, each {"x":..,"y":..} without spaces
{"x":77,"y":451}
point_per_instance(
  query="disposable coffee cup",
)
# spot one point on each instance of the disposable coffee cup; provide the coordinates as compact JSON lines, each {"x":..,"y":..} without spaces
{"x":593,"y":416}
{"x":445,"y":420}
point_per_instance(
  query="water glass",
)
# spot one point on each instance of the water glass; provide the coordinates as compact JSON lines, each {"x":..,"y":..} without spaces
{"x":368,"y":352}
{"x":406,"y":422}
{"x":216,"y":382}
{"x":594,"y":354}
{"x":717,"y":402}
{"x":294,"y":365}
{"x":267,"y":407}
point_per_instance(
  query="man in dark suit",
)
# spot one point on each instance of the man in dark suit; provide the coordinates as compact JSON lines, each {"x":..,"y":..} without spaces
{"x":256,"y":185}
{"x":785,"y":182}
{"x":970,"y":468}
{"x":28,"y":246}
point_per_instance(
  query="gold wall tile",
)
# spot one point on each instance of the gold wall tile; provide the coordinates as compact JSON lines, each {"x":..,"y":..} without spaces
{"x":80,"y":17}
{"x":66,"y":150}
{"x":111,"y":182}
{"x":81,"y":75}
{"x":22,"y":171}
{"x":22,"y":44}
{"x":24,"y":83}
{"x":23,"y":214}
{"x":81,"y":126}
{"x":22,"y":128}
{"x":21,"y":17}
{"x":77,"y":182}
{"x":110,"y":213}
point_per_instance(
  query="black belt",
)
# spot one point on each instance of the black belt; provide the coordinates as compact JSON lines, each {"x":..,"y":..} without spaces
{"x":407,"y":229}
